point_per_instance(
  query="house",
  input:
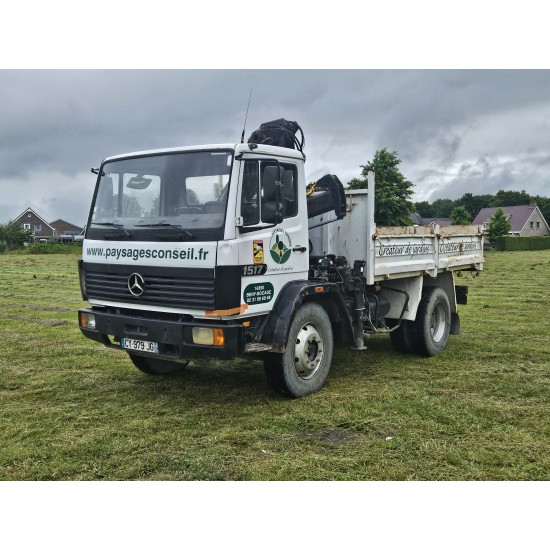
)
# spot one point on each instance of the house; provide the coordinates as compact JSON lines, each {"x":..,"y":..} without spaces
{"x":417,"y":219}
{"x":38,"y":226}
{"x":58,"y":230}
{"x":527,"y":220}
{"x":65,"y":229}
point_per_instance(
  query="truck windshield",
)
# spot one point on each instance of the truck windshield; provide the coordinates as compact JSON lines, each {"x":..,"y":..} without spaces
{"x":178,"y":196}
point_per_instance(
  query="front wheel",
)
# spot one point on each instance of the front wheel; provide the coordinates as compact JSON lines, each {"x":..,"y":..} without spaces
{"x":433,"y":321}
{"x":304,"y":366}
{"x":150,"y":365}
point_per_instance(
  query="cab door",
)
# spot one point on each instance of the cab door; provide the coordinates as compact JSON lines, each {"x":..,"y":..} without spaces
{"x":273,"y":238}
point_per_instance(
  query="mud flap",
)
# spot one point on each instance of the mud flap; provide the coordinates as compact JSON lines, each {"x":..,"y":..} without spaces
{"x":455,"y":324}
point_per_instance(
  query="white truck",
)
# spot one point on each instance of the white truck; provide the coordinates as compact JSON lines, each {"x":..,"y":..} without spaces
{"x":221,"y":251}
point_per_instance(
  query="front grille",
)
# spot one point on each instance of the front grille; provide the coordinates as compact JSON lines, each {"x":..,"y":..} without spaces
{"x":173,"y":291}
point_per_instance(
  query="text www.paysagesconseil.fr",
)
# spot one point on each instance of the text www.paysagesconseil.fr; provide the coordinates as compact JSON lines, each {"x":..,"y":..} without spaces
{"x":141,"y":253}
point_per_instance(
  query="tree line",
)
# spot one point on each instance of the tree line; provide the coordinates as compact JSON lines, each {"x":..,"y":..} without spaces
{"x":472,"y":204}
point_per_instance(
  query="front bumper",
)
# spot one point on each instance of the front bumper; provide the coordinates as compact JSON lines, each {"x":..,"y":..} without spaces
{"x":175,"y":338}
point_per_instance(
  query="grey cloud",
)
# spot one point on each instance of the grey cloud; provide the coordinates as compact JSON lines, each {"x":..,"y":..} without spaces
{"x":478,"y":169}
{"x":55,"y":125}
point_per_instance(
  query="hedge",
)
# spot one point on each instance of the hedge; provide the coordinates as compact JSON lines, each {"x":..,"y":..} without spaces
{"x":522,"y":243}
{"x":50,"y":248}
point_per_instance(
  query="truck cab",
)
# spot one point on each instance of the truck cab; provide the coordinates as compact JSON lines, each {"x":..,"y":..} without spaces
{"x":187,"y":249}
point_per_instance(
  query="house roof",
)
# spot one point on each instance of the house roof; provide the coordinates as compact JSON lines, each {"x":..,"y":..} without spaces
{"x":517,"y":215}
{"x":67,"y":223}
{"x":443,"y":222}
{"x":417,"y":219}
{"x":17,"y":219}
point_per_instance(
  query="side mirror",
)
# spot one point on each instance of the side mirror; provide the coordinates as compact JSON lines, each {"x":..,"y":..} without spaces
{"x":272,"y":202}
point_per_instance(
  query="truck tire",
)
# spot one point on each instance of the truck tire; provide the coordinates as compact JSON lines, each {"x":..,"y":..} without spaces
{"x":402,"y":338}
{"x":433,"y":320}
{"x":156,"y":367}
{"x":304,"y":366}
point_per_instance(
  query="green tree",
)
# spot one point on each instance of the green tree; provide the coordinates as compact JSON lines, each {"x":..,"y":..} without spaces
{"x":461,"y":216}
{"x":442,"y":208}
{"x":393,"y":204}
{"x":510,"y":198}
{"x":424,"y":208}
{"x":499,"y":225}
{"x":12,"y":235}
{"x":474,"y":203}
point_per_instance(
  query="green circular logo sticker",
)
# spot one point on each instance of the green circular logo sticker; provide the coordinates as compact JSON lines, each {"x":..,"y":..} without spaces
{"x":279,"y":246}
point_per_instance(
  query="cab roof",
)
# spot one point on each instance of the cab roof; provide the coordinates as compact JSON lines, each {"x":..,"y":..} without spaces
{"x":237,"y":147}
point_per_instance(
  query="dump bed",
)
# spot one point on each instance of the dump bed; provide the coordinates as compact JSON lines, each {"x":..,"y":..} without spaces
{"x":396,"y":252}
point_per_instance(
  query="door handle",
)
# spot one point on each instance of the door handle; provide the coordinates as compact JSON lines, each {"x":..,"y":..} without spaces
{"x":299,"y":249}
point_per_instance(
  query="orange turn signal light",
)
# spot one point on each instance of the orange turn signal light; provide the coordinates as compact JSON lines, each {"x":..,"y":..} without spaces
{"x":219,"y":339}
{"x":87,"y":320}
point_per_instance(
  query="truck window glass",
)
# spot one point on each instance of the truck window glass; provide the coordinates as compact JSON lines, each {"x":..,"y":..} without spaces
{"x":290,"y":193}
{"x":138,"y":201}
{"x":250,"y":209}
{"x":206,"y":191}
{"x":180,"y":190}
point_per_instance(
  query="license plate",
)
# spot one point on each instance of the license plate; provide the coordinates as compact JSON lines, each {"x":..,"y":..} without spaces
{"x":139,"y":345}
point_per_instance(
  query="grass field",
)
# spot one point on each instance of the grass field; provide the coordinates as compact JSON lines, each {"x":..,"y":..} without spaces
{"x":74,"y":410}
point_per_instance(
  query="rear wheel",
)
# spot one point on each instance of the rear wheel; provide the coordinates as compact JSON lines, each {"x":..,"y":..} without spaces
{"x":433,"y":321}
{"x":152,"y":366}
{"x":304,"y":366}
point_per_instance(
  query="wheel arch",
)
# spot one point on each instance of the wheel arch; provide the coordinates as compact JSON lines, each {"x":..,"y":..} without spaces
{"x":292,"y":296}
{"x":446,"y":283}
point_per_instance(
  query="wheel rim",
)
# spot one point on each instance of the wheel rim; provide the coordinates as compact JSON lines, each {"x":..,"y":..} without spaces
{"x":437,"y":322}
{"x":308,"y":351}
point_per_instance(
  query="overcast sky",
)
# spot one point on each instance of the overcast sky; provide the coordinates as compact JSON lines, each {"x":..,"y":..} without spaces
{"x":456,"y":131}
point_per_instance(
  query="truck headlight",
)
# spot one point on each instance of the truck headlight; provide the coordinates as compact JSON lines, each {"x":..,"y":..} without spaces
{"x":87,"y":320}
{"x":208,"y":336}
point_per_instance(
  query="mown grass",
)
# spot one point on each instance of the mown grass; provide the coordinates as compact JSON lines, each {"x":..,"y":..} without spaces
{"x":74,"y":410}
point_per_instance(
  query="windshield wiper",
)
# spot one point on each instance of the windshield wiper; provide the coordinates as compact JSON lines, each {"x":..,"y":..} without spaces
{"x":175,"y":226}
{"x":118,"y":226}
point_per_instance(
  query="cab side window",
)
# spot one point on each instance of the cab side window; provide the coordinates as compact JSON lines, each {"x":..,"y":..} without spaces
{"x":250,"y":208}
{"x":290,"y":190}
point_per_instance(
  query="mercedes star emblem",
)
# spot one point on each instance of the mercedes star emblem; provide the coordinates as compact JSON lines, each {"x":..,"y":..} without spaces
{"x":136,"y":284}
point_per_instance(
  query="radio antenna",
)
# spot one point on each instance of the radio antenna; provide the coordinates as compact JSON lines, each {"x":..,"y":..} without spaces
{"x":246,"y":116}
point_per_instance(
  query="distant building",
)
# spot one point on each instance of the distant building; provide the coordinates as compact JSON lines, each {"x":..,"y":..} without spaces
{"x":526,"y":220}
{"x":417,"y":219}
{"x":38,"y":226}
{"x":58,"y":230}
{"x":65,"y":229}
